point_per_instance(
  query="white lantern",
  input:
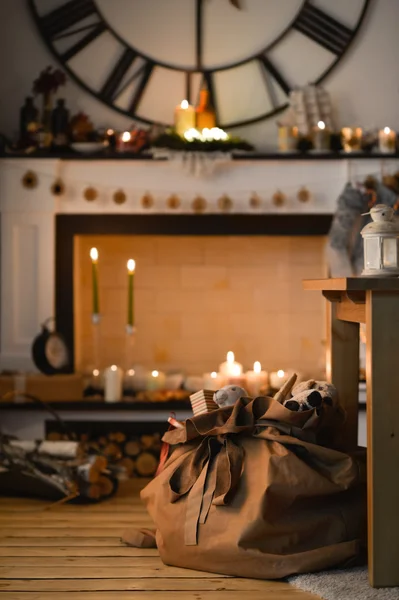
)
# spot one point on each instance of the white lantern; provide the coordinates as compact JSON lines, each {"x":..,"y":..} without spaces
{"x":381,"y":243}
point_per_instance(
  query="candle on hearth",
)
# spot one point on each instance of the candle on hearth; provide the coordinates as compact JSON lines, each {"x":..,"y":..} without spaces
{"x":236,"y":376}
{"x":387,"y":140}
{"x":230,"y":367}
{"x":184,"y":117}
{"x":113,"y":380}
{"x":94,"y":262}
{"x":156,"y":381}
{"x":131,"y":266}
{"x":256,"y":380}
{"x":278,"y":378}
{"x":213,"y":381}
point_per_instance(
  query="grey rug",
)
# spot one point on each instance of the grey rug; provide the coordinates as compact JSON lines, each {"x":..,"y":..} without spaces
{"x":351,"y":584}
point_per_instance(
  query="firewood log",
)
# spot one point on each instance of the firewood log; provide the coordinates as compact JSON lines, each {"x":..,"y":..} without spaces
{"x":147,"y":441}
{"x":146,"y":464}
{"x":88,"y":473}
{"x":117,"y":436}
{"x":55,"y":448}
{"x":54,"y":436}
{"x":128,"y":465}
{"x":112,"y":451}
{"x":92,"y":491}
{"x":132,"y":448}
{"x":106,"y":486}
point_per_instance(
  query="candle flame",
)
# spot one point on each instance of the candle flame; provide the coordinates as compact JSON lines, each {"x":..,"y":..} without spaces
{"x":94,"y":254}
{"x":114,"y":368}
{"x":155,"y":373}
{"x":280,"y":373}
{"x":131,"y":372}
{"x":387,"y":130}
{"x":96,"y":372}
{"x":214,"y":374}
{"x":110,"y":132}
{"x":321,"y":125}
{"x":131,"y":265}
{"x":230,"y":357}
{"x":257,"y":366}
{"x":184,"y":104}
{"x":236,"y":370}
{"x":126,"y":136}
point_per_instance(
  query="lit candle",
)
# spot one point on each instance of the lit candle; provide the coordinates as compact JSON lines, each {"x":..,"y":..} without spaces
{"x":156,"y":381}
{"x":113,"y":379}
{"x":256,"y":380}
{"x":131,"y":266}
{"x":230,"y":367}
{"x":278,"y":378}
{"x":213,"y":381}
{"x":387,"y":140}
{"x":111,"y":137}
{"x":236,"y":376}
{"x":184,"y":118}
{"x":124,"y":141}
{"x":321,"y":137}
{"x":94,"y":262}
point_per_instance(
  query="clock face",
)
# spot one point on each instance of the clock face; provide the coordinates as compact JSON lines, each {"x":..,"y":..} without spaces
{"x":143,"y":57}
{"x":56,"y":352}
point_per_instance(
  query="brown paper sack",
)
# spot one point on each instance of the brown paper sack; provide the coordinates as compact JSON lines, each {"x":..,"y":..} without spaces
{"x":248,"y":492}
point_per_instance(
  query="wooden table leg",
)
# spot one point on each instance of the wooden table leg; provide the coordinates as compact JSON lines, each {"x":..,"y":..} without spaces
{"x":343,"y":370}
{"x":382,"y":372}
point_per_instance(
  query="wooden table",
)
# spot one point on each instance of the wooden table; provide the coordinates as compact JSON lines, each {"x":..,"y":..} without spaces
{"x":74,"y":552}
{"x":375,"y":302}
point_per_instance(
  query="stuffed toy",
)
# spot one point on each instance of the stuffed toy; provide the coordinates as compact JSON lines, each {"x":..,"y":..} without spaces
{"x":228,"y":395}
{"x":327,"y":390}
{"x":305,"y":400}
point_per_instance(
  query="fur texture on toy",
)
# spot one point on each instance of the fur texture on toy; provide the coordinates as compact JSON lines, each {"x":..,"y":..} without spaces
{"x":327,"y":390}
{"x":228,"y":395}
{"x":305,"y":400}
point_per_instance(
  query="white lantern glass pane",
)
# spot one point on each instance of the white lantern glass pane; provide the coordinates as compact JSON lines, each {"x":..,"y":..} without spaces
{"x":390,"y":252}
{"x":372,"y":253}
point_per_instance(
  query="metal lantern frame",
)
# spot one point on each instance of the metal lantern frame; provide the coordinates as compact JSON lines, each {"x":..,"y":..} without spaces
{"x":381,"y":243}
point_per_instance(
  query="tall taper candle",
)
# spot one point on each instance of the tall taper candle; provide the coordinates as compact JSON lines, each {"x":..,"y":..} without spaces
{"x":94,"y":261}
{"x":131,"y":266}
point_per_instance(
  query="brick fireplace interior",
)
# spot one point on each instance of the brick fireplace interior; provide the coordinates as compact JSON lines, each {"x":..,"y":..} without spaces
{"x":198,"y":296}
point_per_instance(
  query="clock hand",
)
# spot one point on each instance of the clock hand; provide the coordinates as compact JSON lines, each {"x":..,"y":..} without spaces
{"x":199,"y":24}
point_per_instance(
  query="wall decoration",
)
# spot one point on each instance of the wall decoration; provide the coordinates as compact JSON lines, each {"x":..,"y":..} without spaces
{"x":173,"y":201}
{"x":303,"y":194}
{"x":58,"y":187}
{"x":199,"y":204}
{"x":119,"y":197}
{"x":225,"y":203}
{"x":50,"y":352}
{"x":147,"y":201}
{"x":226,"y":50}
{"x":30,"y":180}
{"x":279,"y":198}
{"x":47,"y":85}
{"x":90,"y":194}
{"x":255,"y":200}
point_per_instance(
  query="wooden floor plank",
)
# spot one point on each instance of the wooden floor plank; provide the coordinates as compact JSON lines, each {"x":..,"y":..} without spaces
{"x":81,"y":561}
{"x":150,"y":585}
{"x":132,"y":572}
{"x":67,"y":532}
{"x":61,"y":541}
{"x":85,"y":551}
{"x":288,"y":594}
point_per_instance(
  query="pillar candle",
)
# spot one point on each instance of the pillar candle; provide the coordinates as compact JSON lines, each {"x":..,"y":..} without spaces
{"x":230,"y":367}
{"x":184,"y":118}
{"x":94,"y":262}
{"x":156,"y":381}
{"x":387,"y":140}
{"x":113,"y":380}
{"x":131,"y":266}
{"x":256,"y":380}
{"x":213,"y":381}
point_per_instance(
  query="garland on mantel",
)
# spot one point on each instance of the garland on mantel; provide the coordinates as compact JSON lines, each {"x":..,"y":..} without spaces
{"x":172,"y":141}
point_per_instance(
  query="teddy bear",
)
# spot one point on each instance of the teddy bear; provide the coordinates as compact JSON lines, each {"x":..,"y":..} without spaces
{"x":228,"y":395}
{"x":304,"y":400}
{"x":327,"y":390}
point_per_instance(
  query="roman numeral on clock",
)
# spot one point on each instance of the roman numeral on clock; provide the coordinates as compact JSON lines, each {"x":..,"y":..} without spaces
{"x":270,"y":70}
{"x":323,"y":29}
{"x":110,"y":87}
{"x":69,"y":14}
{"x":208,"y":80}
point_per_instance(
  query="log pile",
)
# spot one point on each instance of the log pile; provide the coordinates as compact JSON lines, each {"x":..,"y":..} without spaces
{"x":128,"y":456}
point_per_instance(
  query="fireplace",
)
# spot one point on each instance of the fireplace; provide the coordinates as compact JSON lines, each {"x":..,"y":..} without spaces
{"x":203,"y":285}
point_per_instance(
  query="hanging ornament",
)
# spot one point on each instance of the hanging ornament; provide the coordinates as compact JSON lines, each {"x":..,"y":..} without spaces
{"x":279,"y":198}
{"x":199,"y":204}
{"x":119,"y":197}
{"x":147,"y":201}
{"x":58,"y":187}
{"x":90,"y":194}
{"x":255,"y":201}
{"x":303,"y":194}
{"x":225,"y":203}
{"x":30,"y":180}
{"x":173,"y":201}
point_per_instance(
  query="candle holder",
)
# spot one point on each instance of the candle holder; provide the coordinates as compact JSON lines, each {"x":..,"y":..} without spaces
{"x":130,"y":339}
{"x":96,"y":340}
{"x":351,"y":139}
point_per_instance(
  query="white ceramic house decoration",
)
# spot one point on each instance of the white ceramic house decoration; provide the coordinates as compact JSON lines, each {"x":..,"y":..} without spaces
{"x":381,"y":243}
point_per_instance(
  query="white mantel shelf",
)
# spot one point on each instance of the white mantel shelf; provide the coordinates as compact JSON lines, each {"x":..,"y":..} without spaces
{"x":28,"y":216}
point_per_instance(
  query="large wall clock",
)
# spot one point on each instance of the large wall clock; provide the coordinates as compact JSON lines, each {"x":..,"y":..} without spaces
{"x":142,"y":57}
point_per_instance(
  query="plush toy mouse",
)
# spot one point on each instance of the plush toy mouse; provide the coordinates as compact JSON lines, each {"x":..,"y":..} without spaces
{"x":305,"y":400}
{"x":228,"y":395}
{"x":327,"y":391}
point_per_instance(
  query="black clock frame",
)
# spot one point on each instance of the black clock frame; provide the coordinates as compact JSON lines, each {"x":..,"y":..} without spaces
{"x":309,"y":20}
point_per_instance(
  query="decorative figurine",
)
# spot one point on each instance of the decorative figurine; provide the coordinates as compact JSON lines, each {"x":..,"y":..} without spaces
{"x":228,"y":395}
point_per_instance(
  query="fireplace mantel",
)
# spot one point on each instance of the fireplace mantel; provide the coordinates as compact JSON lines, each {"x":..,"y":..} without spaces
{"x":28,"y":223}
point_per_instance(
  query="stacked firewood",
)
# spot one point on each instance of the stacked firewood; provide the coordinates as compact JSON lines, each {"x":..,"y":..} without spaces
{"x":129,"y":456}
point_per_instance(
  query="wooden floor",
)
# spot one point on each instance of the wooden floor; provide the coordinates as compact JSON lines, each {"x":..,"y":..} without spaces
{"x":74,"y":552}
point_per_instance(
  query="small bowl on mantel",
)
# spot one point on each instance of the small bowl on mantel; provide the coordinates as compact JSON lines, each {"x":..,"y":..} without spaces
{"x":88,"y":147}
